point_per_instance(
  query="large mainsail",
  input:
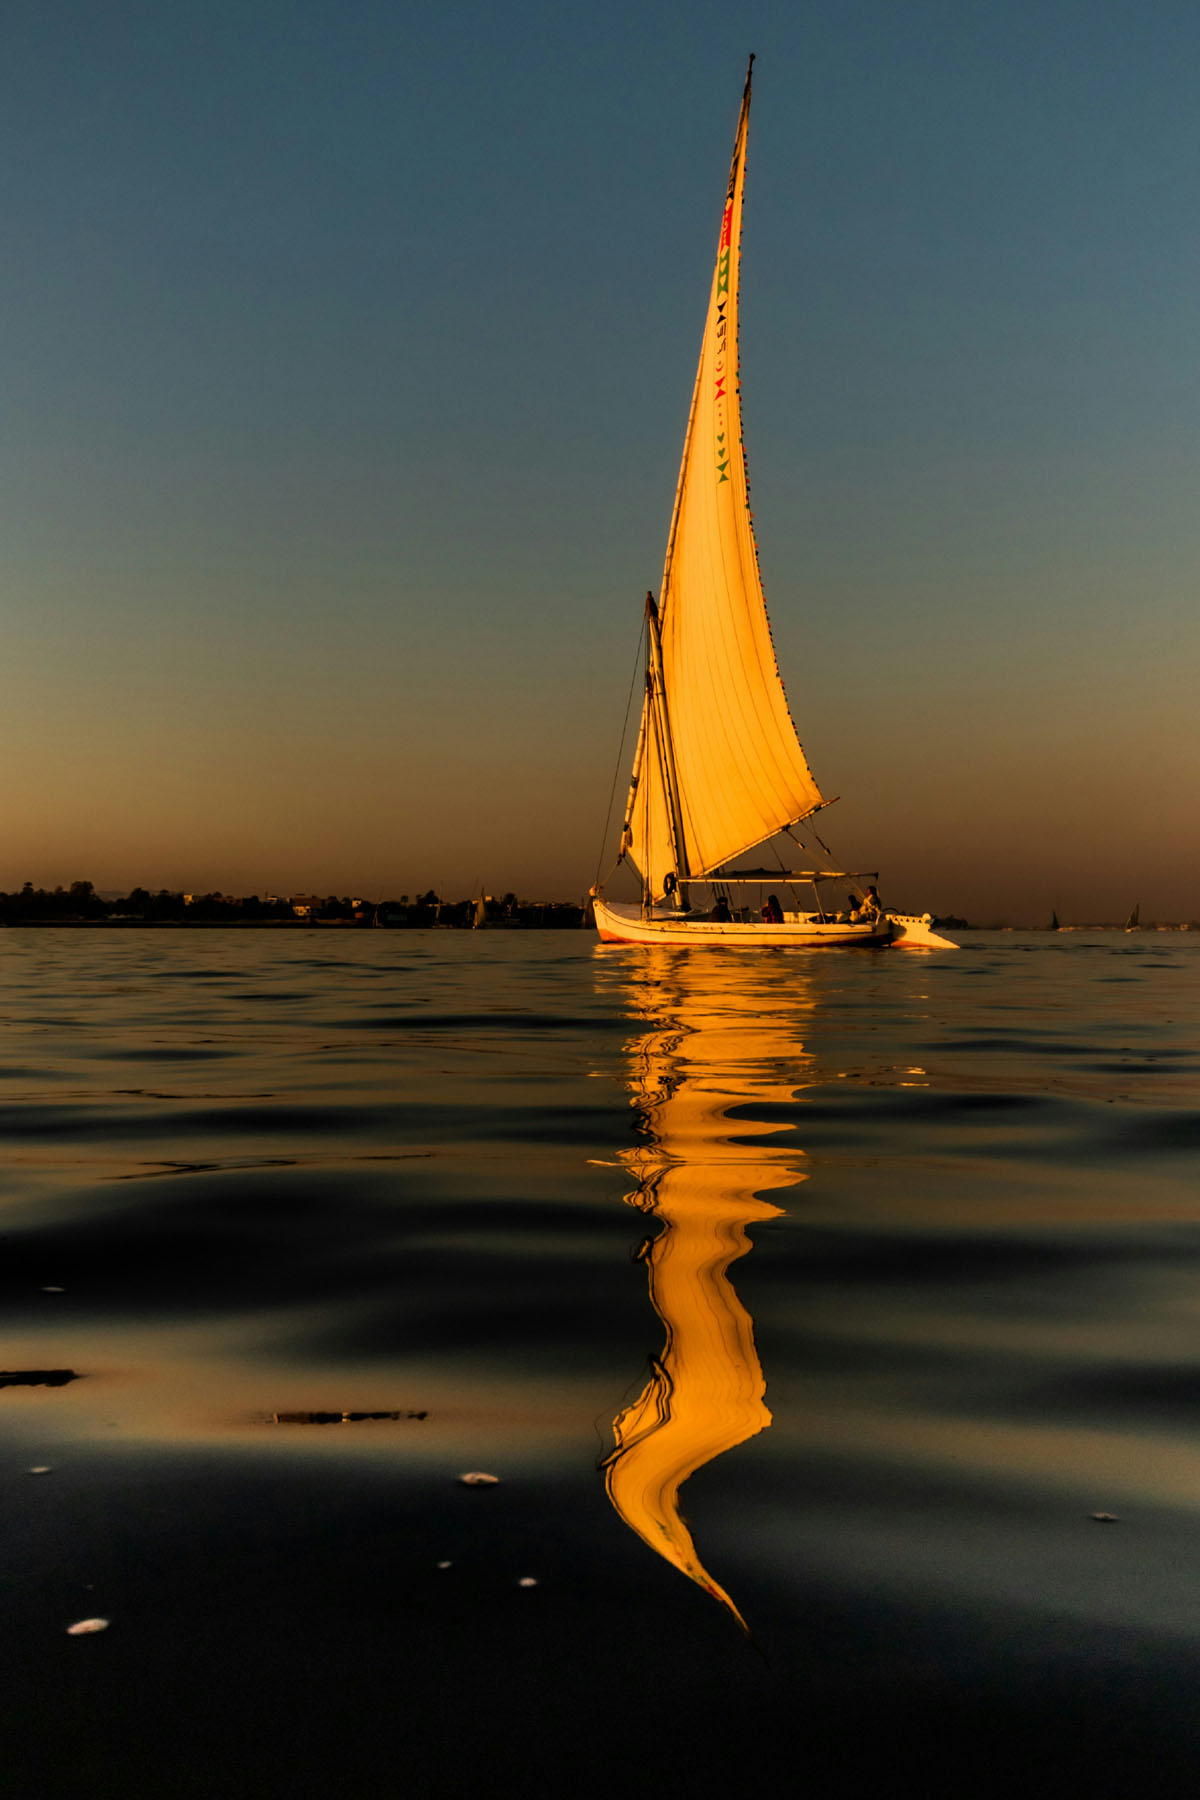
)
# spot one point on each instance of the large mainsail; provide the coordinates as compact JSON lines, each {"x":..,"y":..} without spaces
{"x":716,"y":737}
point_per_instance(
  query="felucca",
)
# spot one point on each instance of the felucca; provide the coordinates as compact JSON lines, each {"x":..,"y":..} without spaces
{"x":719,"y":768}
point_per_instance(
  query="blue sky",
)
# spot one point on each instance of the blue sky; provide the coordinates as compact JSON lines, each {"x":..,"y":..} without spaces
{"x":346,"y":354}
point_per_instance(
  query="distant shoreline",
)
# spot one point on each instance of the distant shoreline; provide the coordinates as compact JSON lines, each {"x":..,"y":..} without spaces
{"x":81,"y":907}
{"x":176,"y":924}
{"x":269,"y":925}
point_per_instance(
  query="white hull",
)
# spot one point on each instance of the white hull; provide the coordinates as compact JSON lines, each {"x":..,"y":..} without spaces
{"x":619,"y":923}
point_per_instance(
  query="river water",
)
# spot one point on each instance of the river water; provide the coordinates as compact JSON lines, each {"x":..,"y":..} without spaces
{"x":809,"y":1308}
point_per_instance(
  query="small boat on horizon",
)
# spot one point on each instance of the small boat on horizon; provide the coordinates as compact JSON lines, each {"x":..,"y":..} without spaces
{"x":719,"y":769}
{"x":1134,"y":921}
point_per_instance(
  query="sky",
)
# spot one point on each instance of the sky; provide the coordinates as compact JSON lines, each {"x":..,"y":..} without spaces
{"x":345,"y":355}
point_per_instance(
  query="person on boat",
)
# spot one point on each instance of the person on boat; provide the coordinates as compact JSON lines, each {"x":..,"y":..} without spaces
{"x":720,"y":911}
{"x":870,"y":906}
{"x":772,"y":912}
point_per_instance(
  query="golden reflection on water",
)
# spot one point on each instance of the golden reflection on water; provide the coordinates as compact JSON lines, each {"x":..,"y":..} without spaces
{"x":715,"y":1035}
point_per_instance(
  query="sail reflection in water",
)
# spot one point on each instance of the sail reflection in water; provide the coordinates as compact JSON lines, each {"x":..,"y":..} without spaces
{"x":717,"y":1035}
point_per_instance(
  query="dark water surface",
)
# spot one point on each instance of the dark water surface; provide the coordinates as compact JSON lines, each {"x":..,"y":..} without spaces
{"x":893,"y":1259}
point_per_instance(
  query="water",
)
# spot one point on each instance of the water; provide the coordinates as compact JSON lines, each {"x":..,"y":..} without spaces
{"x":827,"y":1295}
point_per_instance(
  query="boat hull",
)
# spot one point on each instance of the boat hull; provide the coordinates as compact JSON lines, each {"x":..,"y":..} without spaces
{"x":623,"y":923}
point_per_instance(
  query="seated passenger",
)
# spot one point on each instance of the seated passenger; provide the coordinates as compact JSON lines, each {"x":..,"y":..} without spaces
{"x":720,"y":911}
{"x":772,"y":912}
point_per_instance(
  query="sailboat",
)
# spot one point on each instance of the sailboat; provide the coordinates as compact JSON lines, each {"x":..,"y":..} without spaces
{"x":1134,"y":921}
{"x":719,"y":769}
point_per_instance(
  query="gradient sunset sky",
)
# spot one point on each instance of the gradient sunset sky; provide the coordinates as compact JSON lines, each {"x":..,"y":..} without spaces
{"x":346,"y":357}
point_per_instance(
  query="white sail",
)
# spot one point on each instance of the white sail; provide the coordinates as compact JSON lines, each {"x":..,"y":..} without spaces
{"x":720,"y":733}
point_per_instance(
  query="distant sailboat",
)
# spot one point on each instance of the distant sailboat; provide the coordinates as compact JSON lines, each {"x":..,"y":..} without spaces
{"x":1134,"y":922}
{"x":1054,"y":924}
{"x":719,"y":769}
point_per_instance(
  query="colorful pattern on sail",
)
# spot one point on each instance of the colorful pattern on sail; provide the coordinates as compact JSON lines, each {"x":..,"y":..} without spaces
{"x":742,"y":774}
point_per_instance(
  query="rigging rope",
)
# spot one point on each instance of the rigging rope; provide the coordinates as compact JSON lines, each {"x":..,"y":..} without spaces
{"x":637,"y":663}
{"x":788,"y":885}
{"x":807,"y":825}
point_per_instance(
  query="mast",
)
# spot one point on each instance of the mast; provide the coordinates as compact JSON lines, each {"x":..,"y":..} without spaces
{"x":657,"y":695}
